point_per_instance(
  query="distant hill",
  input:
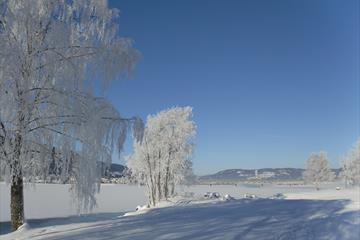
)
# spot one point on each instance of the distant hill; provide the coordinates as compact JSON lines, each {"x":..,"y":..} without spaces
{"x":263,"y":174}
{"x":231,"y":175}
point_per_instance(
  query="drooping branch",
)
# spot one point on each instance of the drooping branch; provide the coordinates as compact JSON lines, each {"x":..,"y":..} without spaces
{"x":56,"y":117}
{"x":53,"y":53}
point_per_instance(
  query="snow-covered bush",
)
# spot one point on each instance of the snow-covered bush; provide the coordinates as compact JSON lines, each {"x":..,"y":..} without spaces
{"x":250,"y":196}
{"x":317,"y":169}
{"x":350,"y":166}
{"x":140,"y":208}
{"x":161,"y":160}
{"x":278,"y":196}
{"x":227,"y":197}
{"x":212,"y":195}
{"x":51,"y":54}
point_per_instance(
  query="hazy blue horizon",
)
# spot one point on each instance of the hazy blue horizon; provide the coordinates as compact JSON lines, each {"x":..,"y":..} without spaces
{"x":269,"y":81}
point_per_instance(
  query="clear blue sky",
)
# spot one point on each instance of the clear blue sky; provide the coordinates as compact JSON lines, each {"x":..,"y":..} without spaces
{"x":270,"y":80}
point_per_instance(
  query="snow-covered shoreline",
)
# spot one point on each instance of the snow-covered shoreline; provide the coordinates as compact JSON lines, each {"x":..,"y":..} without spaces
{"x":54,"y":200}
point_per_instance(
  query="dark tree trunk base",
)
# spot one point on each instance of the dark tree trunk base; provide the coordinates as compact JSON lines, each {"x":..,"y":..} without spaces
{"x":17,"y":203}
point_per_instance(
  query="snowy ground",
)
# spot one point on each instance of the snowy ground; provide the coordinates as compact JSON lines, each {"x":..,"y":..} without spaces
{"x":54,"y":200}
{"x":306,"y":214}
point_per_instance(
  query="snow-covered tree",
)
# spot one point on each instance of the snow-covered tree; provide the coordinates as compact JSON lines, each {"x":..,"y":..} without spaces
{"x":317,"y":169}
{"x":350,"y":166}
{"x":53,"y":53}
{"x":161,"y":159}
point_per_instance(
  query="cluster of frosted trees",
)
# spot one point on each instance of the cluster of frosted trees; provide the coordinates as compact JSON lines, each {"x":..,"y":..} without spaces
{"x":350,"y":165}
{"x":318,"y":170}
{"x":52,"y":53}
{"x":161,"y":160}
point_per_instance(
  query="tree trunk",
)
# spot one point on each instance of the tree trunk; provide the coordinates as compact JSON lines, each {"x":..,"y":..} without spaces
{"x":17,"y":193}
{"x":17,"y":202}
{"x":159,"y":186}
{"x":166,"y":184}
{"x":151,"y":185}
{"x":167,"y":173}
{"x":172,"y":189}
{"x":159,"y":179}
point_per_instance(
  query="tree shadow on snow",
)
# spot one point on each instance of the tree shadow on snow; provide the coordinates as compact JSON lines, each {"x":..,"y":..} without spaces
{"x":240,"y":219}
{"x":5,"y":227}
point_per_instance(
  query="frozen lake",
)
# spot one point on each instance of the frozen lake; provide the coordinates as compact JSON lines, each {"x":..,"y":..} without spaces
{"x":54,"y":200}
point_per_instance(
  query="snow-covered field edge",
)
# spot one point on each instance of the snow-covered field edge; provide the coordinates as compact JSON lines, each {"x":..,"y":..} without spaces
{"x":304,"y":203}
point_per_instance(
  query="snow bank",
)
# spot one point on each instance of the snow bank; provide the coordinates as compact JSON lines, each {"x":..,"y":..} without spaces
{"x":139,"y":210}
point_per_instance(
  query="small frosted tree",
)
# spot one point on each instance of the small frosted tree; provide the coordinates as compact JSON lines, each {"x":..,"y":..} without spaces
{"x":350,"y":166}
{"x":52,"y":53}
{"x":317,"y":169}
{"x":161,"y":159}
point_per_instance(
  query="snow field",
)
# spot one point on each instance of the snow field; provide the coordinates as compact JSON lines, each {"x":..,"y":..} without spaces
{"x":239,"y":219}
{"x":54,"y":200}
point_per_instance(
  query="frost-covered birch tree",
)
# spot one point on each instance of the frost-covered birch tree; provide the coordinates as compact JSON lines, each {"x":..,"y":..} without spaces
{"x":350,"y":166}
{"x":53,"y":53}
{"x":317,"y":169}
{"x":162,"y":159}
